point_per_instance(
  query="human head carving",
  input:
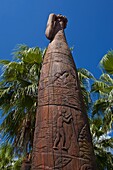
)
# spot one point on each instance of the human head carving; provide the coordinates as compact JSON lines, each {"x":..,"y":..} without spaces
{"x":54,"y":24}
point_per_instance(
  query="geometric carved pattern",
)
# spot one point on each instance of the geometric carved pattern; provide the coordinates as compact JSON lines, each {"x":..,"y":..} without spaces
{"x":62,"y":140}
{"x":85,"y":150}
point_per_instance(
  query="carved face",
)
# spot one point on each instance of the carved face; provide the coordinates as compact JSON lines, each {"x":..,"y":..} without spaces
{"x":54,"y":24}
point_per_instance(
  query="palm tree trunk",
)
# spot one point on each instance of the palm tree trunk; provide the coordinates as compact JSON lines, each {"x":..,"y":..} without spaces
{"x":26,"y":164}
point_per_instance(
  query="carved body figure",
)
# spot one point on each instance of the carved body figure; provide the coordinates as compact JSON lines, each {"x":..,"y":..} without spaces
{"x":60,"y":129}
{"x":61,"y":120}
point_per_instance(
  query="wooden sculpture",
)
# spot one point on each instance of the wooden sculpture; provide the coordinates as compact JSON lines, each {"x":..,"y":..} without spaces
{"x":62,"y":139}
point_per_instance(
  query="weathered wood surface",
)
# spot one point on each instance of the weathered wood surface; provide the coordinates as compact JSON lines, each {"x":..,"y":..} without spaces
{"x":62,"y":139}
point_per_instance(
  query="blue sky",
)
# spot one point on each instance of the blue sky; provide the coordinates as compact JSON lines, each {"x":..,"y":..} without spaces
{"x":89,"y":29}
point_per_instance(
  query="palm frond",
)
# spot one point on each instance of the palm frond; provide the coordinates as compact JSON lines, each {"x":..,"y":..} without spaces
{"x":18,"y":96}
{"x":85,"y":74}
{"x":100,"y":86}
{"x":4,"y":62}
{"x":99,"y":106}
{"x":107,"y":62}
{"x":106,"y":78}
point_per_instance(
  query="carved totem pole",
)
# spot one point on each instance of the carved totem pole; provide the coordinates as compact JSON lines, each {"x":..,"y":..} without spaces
{"x":62,"y":139}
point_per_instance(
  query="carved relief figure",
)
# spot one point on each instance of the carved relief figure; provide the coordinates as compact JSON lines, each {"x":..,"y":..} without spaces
{"x":65,"y":144}
{"x":60,"y":78}
{"x":63,"y":117}
{"x":65,"y":78}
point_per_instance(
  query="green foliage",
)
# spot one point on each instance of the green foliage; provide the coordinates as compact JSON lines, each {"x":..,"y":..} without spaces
{"x":6,"y":156}
{"x":102,"y":106}
{"x":102,"y":143}
{"x":85,"y":77}
{"x":17,"y":164}
{"x":107,"y":62}
{"x":18,"y":102}
{"x":102,"y":115}
{"x":18,"y":96}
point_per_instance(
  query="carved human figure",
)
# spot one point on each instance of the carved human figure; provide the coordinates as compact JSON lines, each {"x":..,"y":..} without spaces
{"x":63,"y":117}
{"x":59,"y":144}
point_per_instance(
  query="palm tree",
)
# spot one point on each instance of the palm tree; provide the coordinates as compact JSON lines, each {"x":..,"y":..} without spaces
{"x":85,"y":78}
{"x":102,"y":114}
{"x":18,"y":101}
{"x":104,"y":88}
{"x":106,"y":62}
{"x":102,"y":142}
{"x":18,"y":96}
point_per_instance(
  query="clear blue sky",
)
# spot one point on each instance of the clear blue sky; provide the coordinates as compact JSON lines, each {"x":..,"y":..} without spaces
{"x":89,"y":30}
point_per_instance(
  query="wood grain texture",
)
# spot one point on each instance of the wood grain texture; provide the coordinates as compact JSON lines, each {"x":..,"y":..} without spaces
{"x":62,"y":139}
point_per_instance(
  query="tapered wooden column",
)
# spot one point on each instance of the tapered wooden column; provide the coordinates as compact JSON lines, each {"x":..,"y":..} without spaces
{"x":62,"y":139}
